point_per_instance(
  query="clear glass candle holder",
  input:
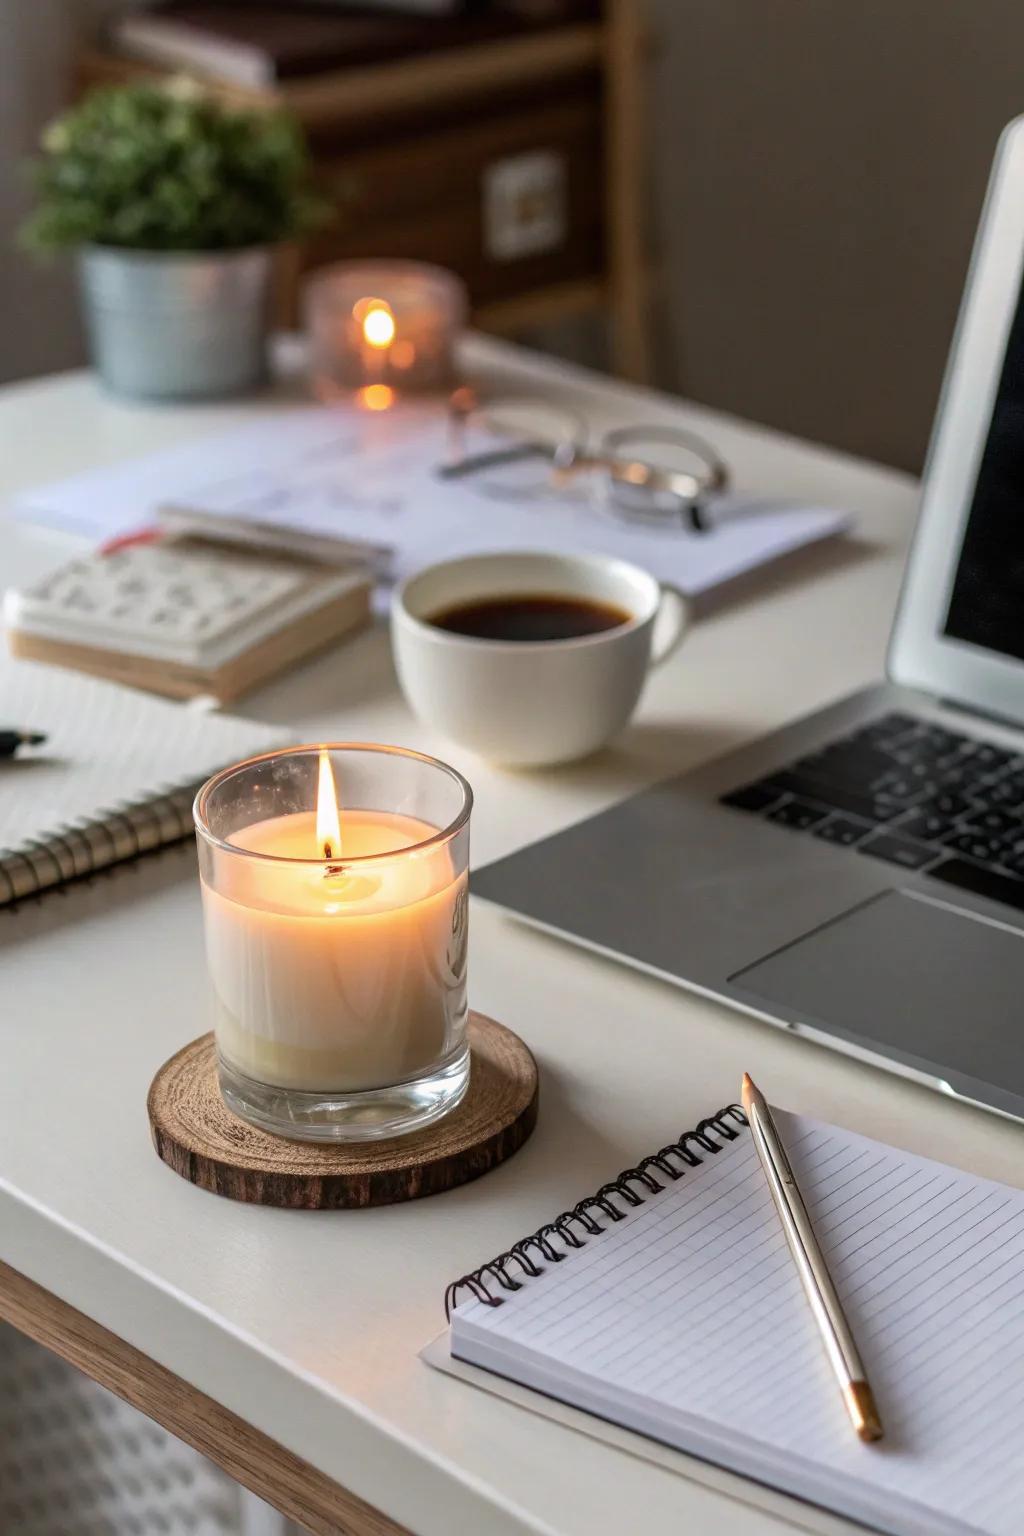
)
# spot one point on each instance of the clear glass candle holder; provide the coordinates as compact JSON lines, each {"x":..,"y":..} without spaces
{"x":380,"y":329}
{"x":334,"y":886}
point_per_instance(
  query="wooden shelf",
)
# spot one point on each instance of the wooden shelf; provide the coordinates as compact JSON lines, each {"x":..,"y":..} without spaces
{"x":573,"y":91}
{"x":507,"y":317}
{"x":341,"y":97}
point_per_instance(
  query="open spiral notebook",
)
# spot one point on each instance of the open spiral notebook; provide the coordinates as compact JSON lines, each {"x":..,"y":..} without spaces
{"x":114,"y":780}
{"x":676,"y":1312}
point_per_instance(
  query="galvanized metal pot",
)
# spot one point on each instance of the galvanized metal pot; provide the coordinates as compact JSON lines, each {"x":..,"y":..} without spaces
{"x":176,"y":324}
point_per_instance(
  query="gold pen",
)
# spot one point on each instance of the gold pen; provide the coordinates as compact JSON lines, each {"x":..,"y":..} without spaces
{"x":811,"y":1267}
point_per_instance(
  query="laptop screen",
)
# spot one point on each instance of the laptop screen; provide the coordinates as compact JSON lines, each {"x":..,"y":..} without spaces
{"x":986,"y":607}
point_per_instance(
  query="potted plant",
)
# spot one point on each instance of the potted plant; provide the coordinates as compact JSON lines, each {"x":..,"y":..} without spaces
{"x":174,"y":203}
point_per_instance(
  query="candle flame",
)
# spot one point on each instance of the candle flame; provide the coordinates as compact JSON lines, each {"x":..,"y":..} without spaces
{"x":328,"y":826}
{"x":379,"y":324}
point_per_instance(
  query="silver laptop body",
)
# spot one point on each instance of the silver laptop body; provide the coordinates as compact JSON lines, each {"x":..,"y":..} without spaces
{"x":862,"y":884}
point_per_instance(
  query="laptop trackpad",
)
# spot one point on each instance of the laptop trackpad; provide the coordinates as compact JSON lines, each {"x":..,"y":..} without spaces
{"x":938,"y":984}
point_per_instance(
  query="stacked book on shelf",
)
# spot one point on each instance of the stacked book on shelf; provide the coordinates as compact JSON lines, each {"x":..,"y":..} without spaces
{"x":258,"y":44}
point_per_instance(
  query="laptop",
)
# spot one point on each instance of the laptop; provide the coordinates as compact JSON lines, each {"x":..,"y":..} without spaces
{"x":858,"y":877}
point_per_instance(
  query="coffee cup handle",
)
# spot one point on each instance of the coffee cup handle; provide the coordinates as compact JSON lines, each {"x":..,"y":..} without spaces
{"x":670,"y":624}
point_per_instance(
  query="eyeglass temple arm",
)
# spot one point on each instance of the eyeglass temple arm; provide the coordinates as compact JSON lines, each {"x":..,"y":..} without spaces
{"x":493,"y":458}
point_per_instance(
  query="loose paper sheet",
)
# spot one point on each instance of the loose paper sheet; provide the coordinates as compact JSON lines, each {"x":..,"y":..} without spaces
{"x":356,"y":476}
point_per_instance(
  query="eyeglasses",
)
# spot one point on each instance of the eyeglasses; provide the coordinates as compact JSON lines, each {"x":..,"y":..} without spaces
{"x":528,"y":449}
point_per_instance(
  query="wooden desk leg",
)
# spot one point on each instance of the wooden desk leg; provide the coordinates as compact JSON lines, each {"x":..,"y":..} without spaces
{"x":626,"y":183}
{"x":246,"y":1454}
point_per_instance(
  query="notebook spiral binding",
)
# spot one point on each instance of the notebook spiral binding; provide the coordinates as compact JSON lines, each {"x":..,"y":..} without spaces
{"x":481,"y":1283}
{"x":115,"y":836}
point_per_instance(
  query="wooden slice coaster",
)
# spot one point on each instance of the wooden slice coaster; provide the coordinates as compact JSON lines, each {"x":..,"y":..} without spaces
{"x":197,"y":1135}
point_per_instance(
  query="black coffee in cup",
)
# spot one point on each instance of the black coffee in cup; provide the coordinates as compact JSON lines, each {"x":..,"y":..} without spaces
{"x":530,"y":617}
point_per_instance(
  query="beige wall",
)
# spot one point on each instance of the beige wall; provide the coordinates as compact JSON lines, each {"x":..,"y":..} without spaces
{"x":38,"y":319}
{"x":819,"y":168}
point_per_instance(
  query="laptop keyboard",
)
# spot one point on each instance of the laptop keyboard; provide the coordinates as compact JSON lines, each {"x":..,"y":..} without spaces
{"x":911,"y":793}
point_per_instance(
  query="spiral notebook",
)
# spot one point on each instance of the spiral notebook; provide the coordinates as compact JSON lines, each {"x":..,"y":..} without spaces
{"x":115,"y":778}
{"x":669,"y":1305}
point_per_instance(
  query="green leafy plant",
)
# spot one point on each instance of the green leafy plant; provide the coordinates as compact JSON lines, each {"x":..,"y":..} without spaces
{"x":168,"y":168}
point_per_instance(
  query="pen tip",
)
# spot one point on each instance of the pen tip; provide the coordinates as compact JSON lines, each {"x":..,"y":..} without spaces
{"x":861,"y":1403}
{"x":33,"y":738}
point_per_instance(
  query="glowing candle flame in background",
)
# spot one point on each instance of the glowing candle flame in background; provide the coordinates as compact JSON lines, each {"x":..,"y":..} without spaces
{"x":378,"y":324}
{"x":328,"y":826}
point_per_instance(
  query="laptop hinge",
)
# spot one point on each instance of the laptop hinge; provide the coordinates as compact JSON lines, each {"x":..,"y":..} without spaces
{"x":959,"y":708}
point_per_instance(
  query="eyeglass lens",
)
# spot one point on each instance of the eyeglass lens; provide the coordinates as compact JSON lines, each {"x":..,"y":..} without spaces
{"x":628,"y":491}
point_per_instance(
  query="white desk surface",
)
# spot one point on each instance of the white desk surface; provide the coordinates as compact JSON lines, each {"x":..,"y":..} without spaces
{"x":309,"y":1324}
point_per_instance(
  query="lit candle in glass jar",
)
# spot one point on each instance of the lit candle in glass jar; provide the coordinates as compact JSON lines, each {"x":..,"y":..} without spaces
{"x":336,"y":940}
{"x":386,"y":325}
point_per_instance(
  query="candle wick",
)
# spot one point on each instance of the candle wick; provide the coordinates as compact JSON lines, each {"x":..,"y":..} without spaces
{"x":332,"y":868}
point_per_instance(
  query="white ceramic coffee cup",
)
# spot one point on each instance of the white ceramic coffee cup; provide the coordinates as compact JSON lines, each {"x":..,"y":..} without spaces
{"x":528,"y":703}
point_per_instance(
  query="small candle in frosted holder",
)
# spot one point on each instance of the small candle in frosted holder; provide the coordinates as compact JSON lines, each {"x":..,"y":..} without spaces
{"x":382,"y":328}
{"x":335,"y":909}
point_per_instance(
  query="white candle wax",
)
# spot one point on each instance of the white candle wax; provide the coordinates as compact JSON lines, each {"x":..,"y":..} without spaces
{"x":336,"y":982}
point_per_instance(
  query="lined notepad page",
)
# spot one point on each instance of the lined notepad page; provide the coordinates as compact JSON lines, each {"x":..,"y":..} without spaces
{"x":106,"y":745}
{"x":686,"y":1321}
